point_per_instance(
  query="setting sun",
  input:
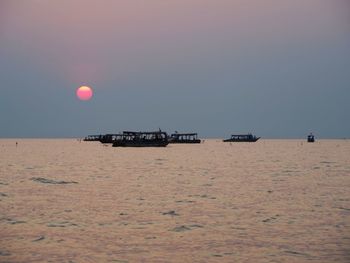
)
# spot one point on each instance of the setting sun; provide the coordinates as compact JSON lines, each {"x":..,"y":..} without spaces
{"x":84,"y":93}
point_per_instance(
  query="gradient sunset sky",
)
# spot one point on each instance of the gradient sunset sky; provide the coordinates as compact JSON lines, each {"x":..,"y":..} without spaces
{"x":276,"y":68}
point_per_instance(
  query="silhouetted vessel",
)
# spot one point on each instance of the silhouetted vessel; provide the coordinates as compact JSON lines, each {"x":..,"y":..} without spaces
{"x":92,"y":138}
{"x":184,"y":138}
{"x":242,"y":138}
{"x":310,"y":138}
{"x":141,"y":139}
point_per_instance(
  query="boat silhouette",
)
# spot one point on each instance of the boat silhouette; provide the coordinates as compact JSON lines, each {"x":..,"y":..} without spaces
{"x":184,"y":138}
{"x":242,"y":138}
{"x":310,"y":138}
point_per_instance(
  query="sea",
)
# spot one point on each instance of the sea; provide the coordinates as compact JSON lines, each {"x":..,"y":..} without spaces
{"x":65,"y":200}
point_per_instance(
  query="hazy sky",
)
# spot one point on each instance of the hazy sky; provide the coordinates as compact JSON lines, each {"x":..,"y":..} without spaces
{"x":277,"y":68}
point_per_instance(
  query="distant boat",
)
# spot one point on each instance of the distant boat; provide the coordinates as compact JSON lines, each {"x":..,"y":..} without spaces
{"x":184,"y":138}
{"x":242,"y":138}
{"x":92,"y":138}
{"x":141,"y":139}
{"x":310,"y":138}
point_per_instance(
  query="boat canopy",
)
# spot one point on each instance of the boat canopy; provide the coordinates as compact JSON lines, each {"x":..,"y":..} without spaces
{"x":132,"y":135}
{"x":249,"y":135}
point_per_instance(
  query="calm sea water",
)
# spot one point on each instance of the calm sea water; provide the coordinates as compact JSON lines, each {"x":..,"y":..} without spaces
{"x":269,"y":201}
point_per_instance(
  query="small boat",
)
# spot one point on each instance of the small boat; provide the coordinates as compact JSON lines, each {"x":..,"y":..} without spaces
{"x":242,"y":138}
{"x":141,"y":139}
{"x":92,"y":138}
{"x":184,"y":138}
{"x":310,"y":138}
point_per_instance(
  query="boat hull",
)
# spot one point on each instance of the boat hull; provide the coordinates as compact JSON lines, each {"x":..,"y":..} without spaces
{"x":140,"y":144}
{"x":106,"y":141}
{"x":185,"y":141}
{"x":242,"y":140}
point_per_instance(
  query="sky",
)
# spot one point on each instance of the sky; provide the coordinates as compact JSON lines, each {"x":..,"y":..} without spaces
{"x":278,"y":69}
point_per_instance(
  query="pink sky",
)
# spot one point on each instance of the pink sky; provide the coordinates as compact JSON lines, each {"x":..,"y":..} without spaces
{"x":271,"y":61}
{"x":74,"y":36}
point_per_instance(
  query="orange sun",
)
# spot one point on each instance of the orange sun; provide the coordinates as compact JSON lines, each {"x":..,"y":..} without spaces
{"x":84,"y":93}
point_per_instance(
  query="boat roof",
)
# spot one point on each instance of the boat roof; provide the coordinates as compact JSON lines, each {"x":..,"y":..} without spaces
{"x":149,"y":132}
{"x":246,"y":134}
{"x":182,"y":134}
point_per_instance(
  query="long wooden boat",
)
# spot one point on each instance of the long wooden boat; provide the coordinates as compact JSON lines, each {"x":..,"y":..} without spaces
{"x":142,"y":139}
{"x":242,"y":138}
{"x":184,"y":138}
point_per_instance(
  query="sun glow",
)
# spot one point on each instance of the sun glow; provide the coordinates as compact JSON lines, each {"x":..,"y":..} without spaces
{"x":84,"y":93}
